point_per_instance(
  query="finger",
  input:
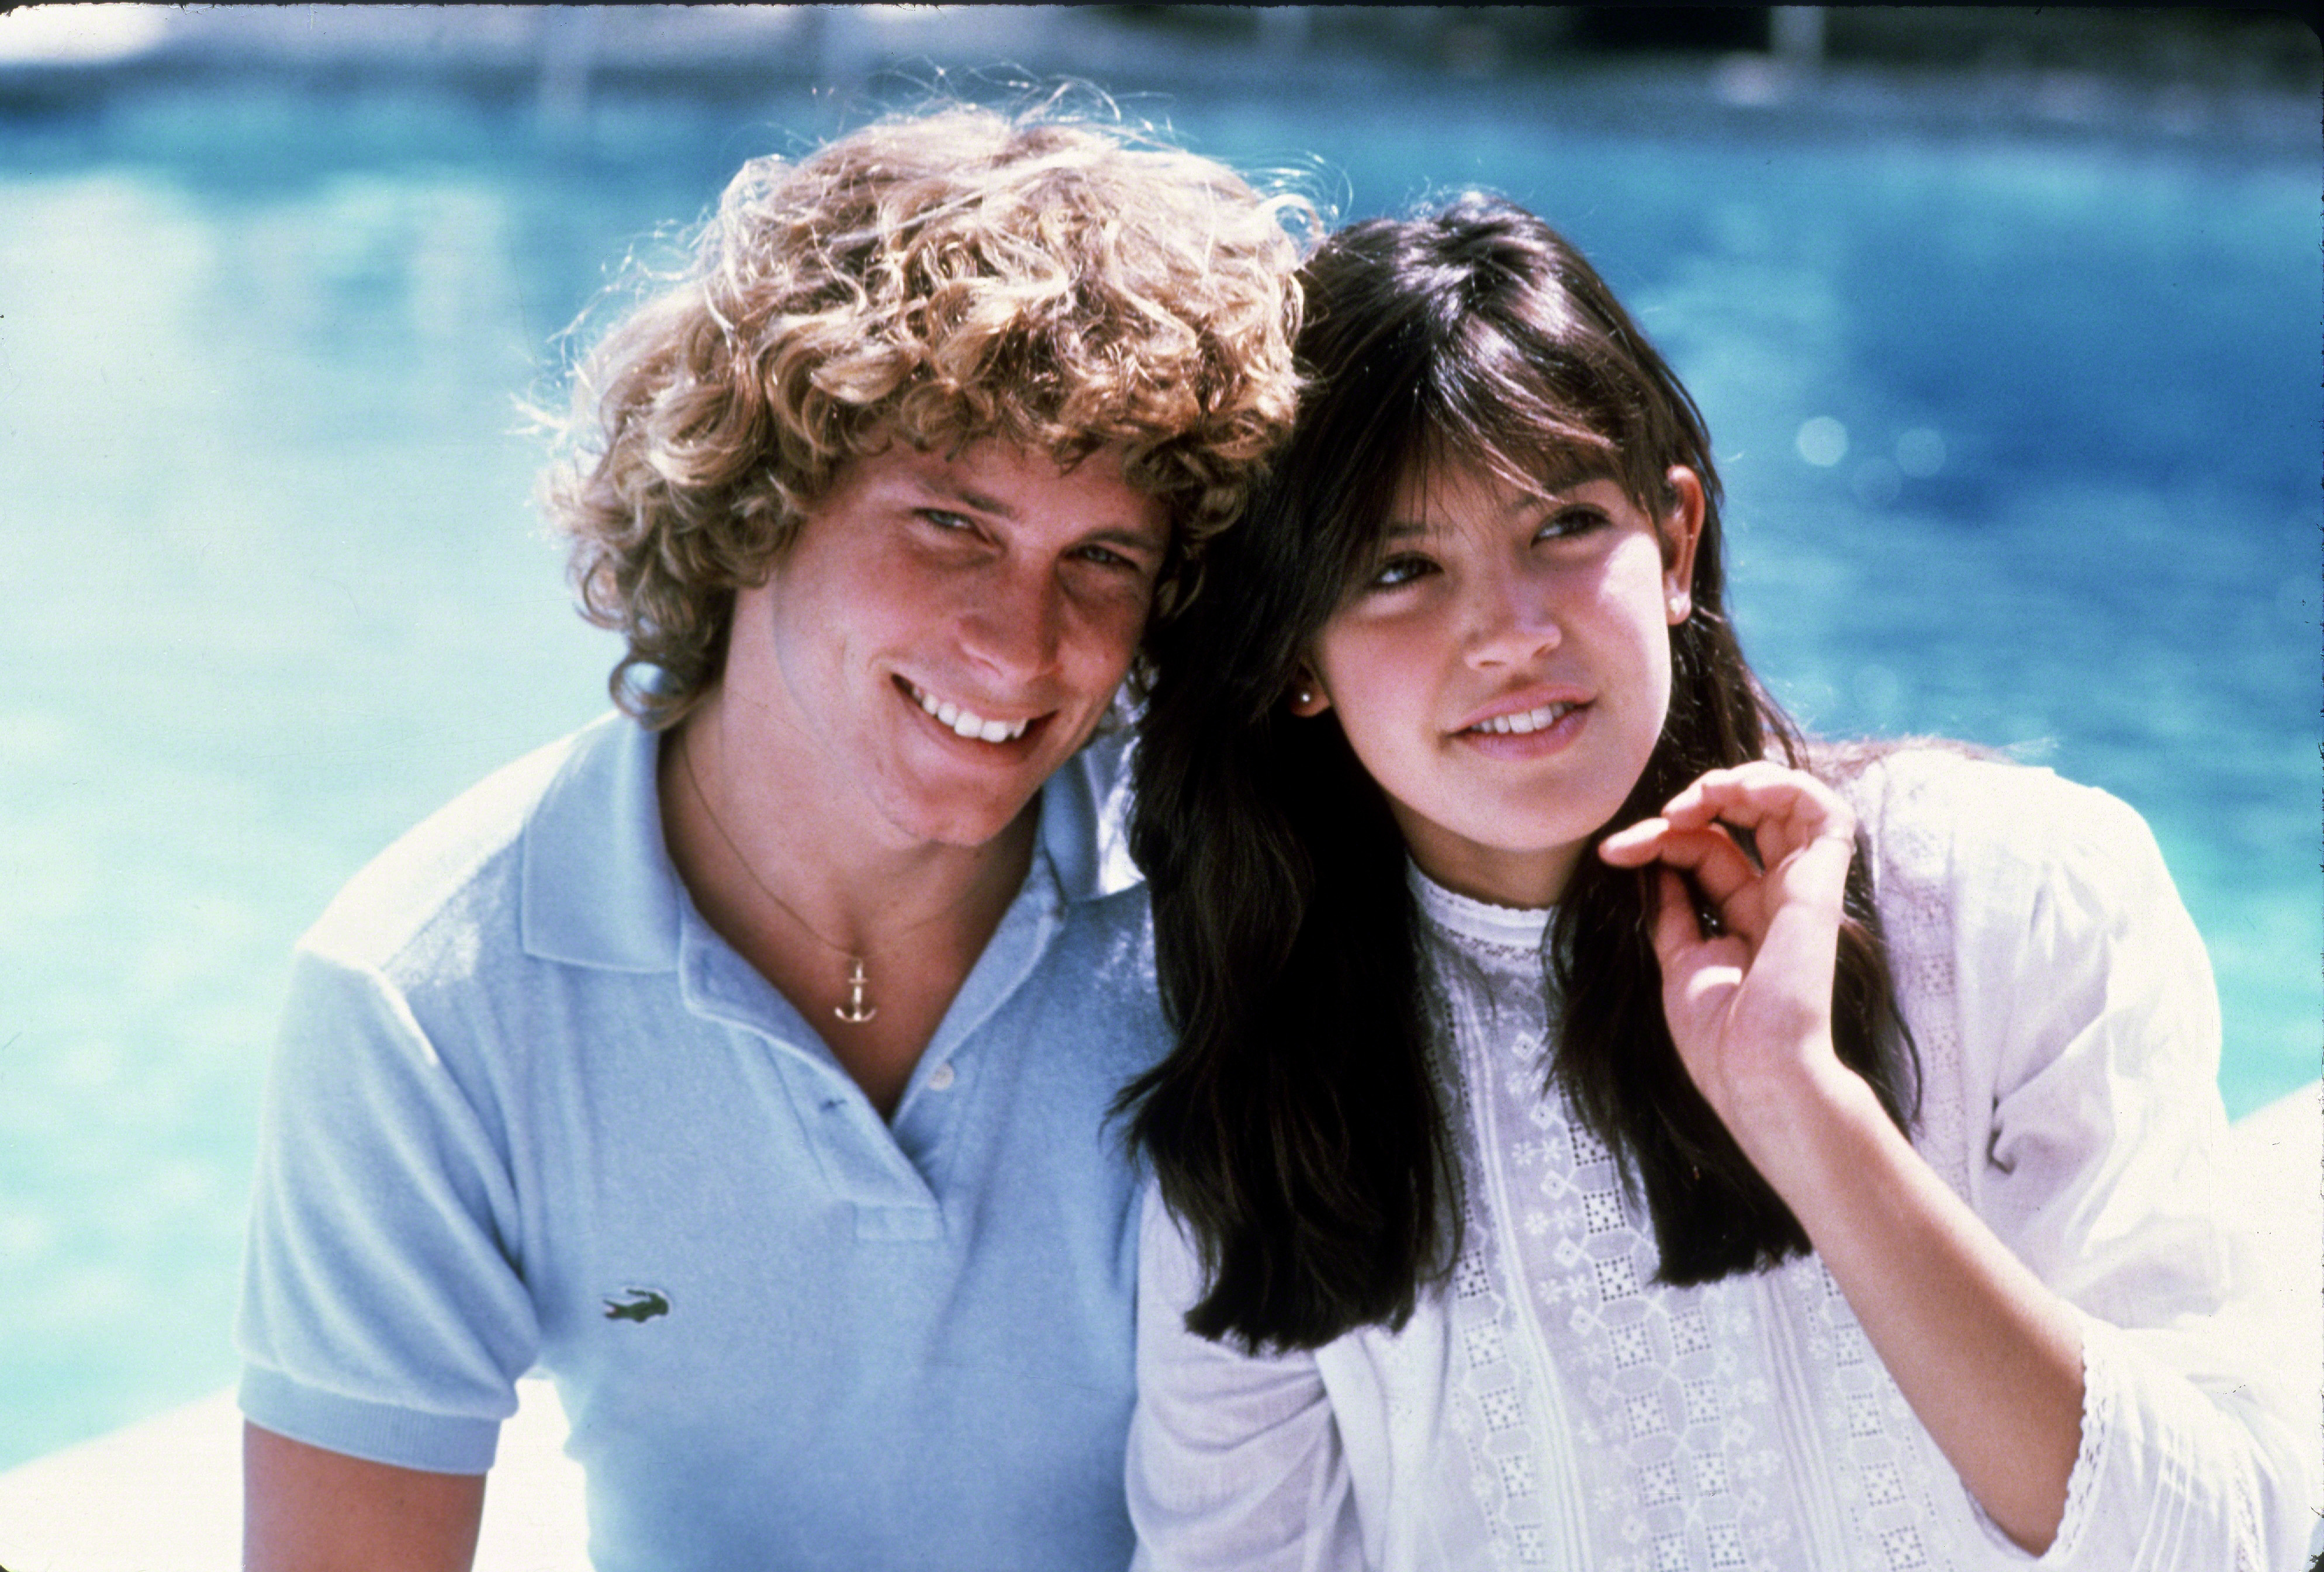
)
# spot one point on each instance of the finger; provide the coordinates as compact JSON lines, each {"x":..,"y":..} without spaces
{"x":1787,"y":811}
{"x":1689,"y":804}
{"x":1634,"y":845}
{"x":1711,"y":857}
{"x":1760,"y":789}
{"x":1676,"y":928}
{"x":1684,"y":949}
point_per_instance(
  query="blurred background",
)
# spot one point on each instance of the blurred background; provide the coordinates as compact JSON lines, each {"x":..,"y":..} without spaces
{"x":2005,"y":323}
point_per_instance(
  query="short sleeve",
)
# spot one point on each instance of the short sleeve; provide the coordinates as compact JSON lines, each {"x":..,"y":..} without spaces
{"x":382,"y":1314}
{"x":1234,"y":1459}
{"x":2089,"y":1038}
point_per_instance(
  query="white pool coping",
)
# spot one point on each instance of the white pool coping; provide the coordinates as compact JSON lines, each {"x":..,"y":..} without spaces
{"x":165,"y":1495}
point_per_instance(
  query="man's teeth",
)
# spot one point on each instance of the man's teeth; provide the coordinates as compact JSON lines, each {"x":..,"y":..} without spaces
{"x":1530,"y":720}
{"x":968,"y":723}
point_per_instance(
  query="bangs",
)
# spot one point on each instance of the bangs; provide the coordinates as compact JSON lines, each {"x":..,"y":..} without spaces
{"x":1539,"y":406}
{"x":1524,"y":414}
{"x":1467,"y":342}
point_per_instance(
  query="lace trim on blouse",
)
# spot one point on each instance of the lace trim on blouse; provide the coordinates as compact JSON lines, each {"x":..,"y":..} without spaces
{"x":1608,"y":1421}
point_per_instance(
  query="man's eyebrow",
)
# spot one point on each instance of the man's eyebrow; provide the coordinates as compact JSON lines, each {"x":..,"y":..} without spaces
{"x":944,"y":486}
{"x":1147,"y":538}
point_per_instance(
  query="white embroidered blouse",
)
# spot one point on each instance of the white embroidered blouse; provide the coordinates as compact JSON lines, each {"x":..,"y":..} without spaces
{"x":1554,"y":1407}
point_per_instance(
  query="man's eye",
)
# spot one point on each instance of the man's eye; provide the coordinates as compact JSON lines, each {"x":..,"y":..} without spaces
{"x":944,"y":521}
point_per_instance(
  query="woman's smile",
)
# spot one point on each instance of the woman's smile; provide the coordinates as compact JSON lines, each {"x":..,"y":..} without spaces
{"x":1526,"y":725}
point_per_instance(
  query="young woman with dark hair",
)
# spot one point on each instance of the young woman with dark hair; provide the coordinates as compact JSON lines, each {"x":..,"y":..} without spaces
{"x":1605,"y":1130}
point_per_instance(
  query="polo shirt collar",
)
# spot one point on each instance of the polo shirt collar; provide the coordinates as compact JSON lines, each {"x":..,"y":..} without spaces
{"x":598,"y":887}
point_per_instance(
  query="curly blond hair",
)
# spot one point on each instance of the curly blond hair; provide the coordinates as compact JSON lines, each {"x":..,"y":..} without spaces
{"x":935,"y":279}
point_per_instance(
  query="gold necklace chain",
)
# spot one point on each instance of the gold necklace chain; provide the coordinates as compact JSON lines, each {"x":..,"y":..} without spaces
{"x":858,"y":1009}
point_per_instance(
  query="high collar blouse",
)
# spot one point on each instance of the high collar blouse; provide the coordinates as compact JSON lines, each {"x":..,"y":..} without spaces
{"x":1553,"y":1405}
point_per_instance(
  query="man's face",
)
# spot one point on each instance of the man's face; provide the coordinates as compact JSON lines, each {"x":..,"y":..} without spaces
{"x":945,"y":631}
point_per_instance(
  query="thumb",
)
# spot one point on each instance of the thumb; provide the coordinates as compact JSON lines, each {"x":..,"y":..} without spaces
{"x":1675,"y":930}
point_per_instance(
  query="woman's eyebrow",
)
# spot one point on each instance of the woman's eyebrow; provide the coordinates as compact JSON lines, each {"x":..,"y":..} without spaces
{"x":1565,"y":483}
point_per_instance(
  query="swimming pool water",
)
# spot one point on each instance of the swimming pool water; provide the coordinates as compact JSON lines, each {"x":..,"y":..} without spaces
{"x":2020,"y":440}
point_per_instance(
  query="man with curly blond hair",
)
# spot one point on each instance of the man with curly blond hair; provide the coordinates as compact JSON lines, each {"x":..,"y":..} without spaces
{"x":743,"y":1061}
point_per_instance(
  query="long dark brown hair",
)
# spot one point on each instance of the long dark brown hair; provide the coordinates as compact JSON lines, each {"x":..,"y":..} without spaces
{"x":1296,"y":1130}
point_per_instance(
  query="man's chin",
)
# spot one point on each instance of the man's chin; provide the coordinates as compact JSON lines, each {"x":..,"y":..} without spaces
{"x":952,"y":819}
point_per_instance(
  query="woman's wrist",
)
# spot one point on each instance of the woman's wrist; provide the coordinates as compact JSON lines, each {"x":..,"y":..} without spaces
{"x":1809,"y":1127}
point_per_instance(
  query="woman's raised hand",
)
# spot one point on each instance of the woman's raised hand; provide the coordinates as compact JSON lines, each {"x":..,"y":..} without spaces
{"x":1989,"y":1357}
{"x":1750,"y":1002}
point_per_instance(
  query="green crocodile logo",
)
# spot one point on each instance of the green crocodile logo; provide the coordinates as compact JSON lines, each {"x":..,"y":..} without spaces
{"x":642,"y":1305}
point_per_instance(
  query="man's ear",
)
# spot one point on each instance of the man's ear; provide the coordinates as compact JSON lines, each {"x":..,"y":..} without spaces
{"x":1682,"y":531}
{"x":1307,"y":695}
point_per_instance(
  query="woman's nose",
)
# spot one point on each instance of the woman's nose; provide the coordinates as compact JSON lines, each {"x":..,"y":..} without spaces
{"x":1513,"y":620}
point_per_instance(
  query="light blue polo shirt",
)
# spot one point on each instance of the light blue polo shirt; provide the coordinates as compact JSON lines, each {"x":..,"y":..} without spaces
{"x":529,"y":1109}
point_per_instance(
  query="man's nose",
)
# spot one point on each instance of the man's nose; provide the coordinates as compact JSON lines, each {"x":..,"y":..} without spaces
{"x":1015,"y":620}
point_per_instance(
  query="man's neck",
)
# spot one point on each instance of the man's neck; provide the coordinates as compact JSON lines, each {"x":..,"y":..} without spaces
{"x":815,"y":847}
{"x":868,"y":933}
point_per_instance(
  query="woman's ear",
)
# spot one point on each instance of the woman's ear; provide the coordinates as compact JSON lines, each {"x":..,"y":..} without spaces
{"x":1307,"y":695}
{"x":1682,"y":531}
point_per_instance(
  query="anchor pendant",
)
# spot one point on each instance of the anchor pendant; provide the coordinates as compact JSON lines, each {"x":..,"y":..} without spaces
{"x":855,"y":1012}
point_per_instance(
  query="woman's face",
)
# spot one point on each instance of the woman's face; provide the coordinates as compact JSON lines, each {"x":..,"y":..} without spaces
{"x":1504,"y":672}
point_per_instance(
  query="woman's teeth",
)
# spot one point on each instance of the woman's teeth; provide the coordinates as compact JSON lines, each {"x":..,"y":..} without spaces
{"x":1528,"y":720}
{"x":966,"y":722}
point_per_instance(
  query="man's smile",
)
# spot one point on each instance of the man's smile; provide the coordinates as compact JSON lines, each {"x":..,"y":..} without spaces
{"x":964,"y":722}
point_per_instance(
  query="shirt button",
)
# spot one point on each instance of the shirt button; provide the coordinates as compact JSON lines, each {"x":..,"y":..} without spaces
{"x":940,"y":1079}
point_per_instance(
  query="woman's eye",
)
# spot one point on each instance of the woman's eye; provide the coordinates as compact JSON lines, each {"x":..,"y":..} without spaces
{"x":1568,"y":522}
{"x":1401,"y":570}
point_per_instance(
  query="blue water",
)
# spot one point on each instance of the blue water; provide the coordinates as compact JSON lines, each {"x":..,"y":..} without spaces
{"x":2021,"y":440}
